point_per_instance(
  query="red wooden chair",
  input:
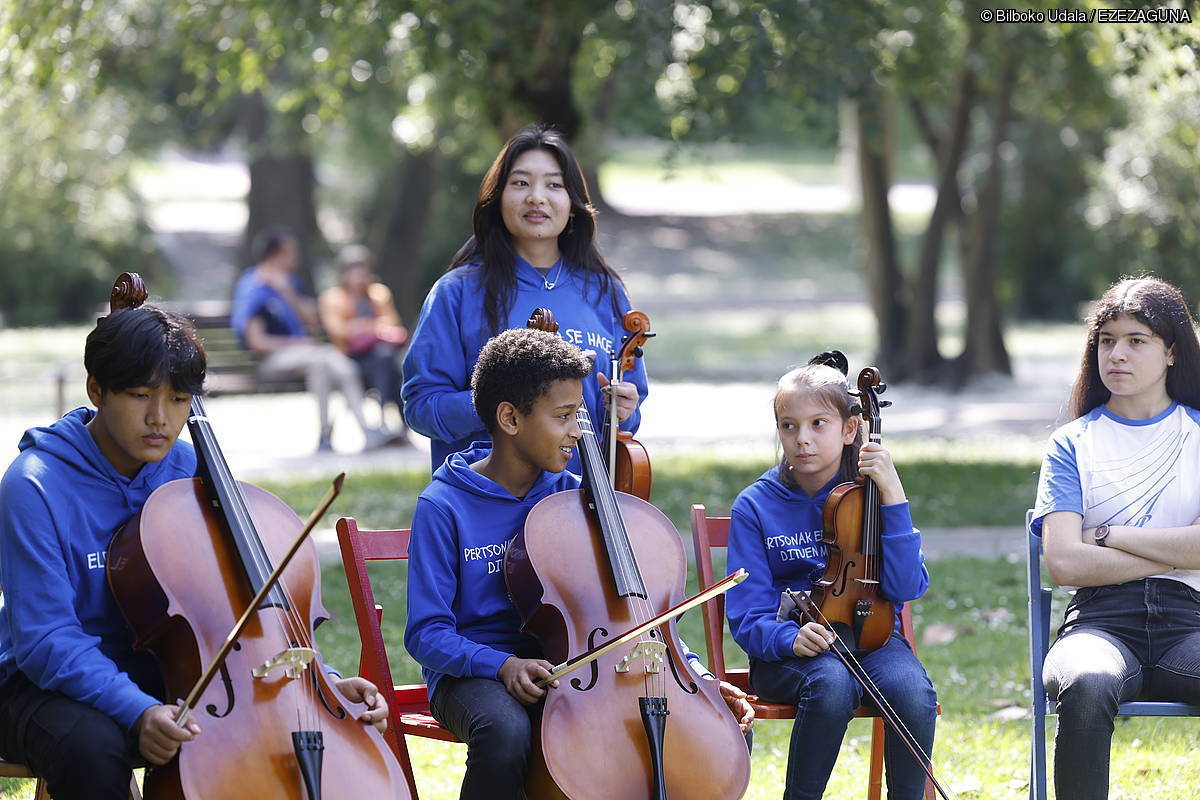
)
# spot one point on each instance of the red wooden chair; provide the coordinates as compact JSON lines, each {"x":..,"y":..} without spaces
{"x":408,"y":705}
{"x":709,"y":532}
{"x":11,"y":769}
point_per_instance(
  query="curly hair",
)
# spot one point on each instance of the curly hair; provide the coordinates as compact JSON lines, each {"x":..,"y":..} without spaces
{"x":491,"y":246}
{"x":143,"y":347}
{"x":518,"y":366}
{"x":1160,"y":306}
{"x":824,"y":376}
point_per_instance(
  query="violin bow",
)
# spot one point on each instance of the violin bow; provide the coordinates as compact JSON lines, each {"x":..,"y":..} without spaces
{"x":211,"y":670}
{"x":807,"y":607}
{"x":567,"y":667}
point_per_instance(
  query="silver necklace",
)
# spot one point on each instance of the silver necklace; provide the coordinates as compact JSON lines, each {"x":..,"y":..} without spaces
{"x":550,"y":284}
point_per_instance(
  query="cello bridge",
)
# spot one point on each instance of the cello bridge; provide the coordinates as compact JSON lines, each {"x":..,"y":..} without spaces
{"x":294,"y":660}
{"x":652,"y":653}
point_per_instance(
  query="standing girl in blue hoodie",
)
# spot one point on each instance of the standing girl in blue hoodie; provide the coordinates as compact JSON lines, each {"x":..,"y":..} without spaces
{"x":776,"y":535}
{"x":533,"y":246}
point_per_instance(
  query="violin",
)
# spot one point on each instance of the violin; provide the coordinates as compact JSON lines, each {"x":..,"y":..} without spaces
{"x":628,"y":460}
{"x":183,"y":570}
{"x":589,"y":564}
{"x":848,"y":593}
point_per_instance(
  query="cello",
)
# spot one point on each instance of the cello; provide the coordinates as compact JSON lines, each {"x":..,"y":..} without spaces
{"x":183,"y":570}
{"x":589,"y":564}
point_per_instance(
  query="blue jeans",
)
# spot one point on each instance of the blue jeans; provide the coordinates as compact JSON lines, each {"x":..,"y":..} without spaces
{"x":497,"y":728}
{"x":1133,"y":641}
{"x":826,"y":695}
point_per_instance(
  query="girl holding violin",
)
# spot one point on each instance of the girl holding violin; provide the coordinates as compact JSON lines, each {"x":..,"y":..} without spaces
{"x":481,"y":668}
{"x":77,"y":703}
{"x":776,"y":535}
{"x":533,"y":246}
{"x":1119,"y":515}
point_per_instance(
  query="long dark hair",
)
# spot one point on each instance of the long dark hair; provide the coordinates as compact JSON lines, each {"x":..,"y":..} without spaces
{"x":825,"y":376}
{"x":491,"y":245}
{"x":1162,"y":307}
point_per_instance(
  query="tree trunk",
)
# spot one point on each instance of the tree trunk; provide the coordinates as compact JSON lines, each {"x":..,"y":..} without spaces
{"x":282,"y":183}
{"x":925,"y":358}
{"x":885,"y":283}
{"x":984,"y":350}
{"x":400,"y":263}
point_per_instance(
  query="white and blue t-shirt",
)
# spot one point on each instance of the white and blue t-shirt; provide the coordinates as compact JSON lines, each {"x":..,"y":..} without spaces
{"x":1116,"y":471}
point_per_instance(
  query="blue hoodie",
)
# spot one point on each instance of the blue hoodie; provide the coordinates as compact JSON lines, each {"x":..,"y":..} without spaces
{"x":460,"y":619}
{"x":61,"y":501}
{"x":453,"y":329}
{"x":775,"y":534}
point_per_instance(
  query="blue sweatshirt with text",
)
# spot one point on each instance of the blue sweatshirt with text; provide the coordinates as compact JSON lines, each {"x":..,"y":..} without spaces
{"x":775,"y":535}
{"x":61,"y":501}
{"x":460,"y":619}
{"x":453,"y":328}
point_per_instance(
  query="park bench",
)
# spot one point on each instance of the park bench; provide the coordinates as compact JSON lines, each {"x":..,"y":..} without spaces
{"x":232,"y":370}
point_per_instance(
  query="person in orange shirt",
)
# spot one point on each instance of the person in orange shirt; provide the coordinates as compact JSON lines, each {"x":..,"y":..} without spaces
{"x":361,"y":320}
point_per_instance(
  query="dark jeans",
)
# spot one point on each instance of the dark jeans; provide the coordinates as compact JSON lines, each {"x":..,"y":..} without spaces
{"x":497,"y":728}
{"x":80,"y":752}
{"x":1132,"y":641}
{"x":380,"y":371}
{"x":826,"y":695}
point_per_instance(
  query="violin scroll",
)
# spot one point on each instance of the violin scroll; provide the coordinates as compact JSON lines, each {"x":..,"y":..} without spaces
{"x":638,"y":325}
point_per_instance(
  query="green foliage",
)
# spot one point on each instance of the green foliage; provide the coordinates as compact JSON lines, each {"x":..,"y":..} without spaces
{"x":69,"y":221}
{"x":1143,"y":209}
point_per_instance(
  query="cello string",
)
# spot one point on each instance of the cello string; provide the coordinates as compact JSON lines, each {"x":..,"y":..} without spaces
{"x":285,"y":620}
{"x":608,"y":509}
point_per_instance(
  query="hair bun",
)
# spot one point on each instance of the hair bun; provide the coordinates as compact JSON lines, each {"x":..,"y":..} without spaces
{"x":832,"y":358}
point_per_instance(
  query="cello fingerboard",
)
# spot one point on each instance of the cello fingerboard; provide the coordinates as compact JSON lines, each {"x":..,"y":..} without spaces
{"x":627,"y":578}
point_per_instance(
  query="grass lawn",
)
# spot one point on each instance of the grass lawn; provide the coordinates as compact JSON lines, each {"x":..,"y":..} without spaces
{"x":976,"y":652}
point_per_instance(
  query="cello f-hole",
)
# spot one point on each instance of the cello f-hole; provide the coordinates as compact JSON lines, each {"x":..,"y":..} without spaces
{"x":336,"y":713}
{"x":593,"y":670}
{"x":211,"y":708}
{"x":690,"y":687}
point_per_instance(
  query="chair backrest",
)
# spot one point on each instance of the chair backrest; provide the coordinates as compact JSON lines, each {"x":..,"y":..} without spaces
{"x":707,"y":533}
{"x":359,"y":547}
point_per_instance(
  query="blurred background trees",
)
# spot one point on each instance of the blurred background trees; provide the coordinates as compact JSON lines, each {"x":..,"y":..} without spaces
{"x":1060,"y":155}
